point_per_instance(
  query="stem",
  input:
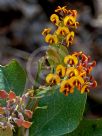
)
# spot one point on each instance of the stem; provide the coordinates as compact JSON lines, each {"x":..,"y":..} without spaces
{"x":37,"y":76}
{"x":35,"y":105}
{"x":27,"y":132}
{"x":19,"y":132}
{"x":38,"y":71}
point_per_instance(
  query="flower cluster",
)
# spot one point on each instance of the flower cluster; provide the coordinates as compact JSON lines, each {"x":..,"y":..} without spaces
{"x":14,"y":112}
{"x":76,"y":72}
{"x":65,"y":21}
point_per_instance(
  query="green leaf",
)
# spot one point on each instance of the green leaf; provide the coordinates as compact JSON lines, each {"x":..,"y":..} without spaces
{"x":56,"y":54}
{"x":12,"y":77}
{"x":62,"y":115}
{"x":53,"y":56}
{"x":88,"y":128}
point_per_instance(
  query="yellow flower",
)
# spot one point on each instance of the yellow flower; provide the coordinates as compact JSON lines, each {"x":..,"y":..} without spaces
{"x":55,"y":19}
{"x":71,"y":60}
{"x":62,"y":31}
{"x":46,"y":31}
{"x":66,"y":87}
{"x":60,"y":70}
{"x":51,"y":39}
{"x":77,"y":81}
{"x":61,"y":9}
{"x":69,"y":38}
{"x":52,"y":79}
{"x":71,"y":71}
{"x":69,"y":21}
{"x":85,"y":88}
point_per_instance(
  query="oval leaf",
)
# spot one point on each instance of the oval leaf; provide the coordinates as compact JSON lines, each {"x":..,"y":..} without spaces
{"x":12,"y":77}
{"x":62,"y":115}
{"x":88,"y":128}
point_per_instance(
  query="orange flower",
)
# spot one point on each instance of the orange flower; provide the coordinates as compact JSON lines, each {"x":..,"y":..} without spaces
{"x":69,"y":21}
{"x":51,"y":39}
{"x":62,"y":31}
{"x":71,"y":71}
{"x":52,"y":79}
{"x":55,"y":19}
{"x":69,"y":38}
{"x":71,"y":60}
{"x":72,"y":13}
{"x":77,"y":81}
{"x":46,"y":31}
{"x":66,"y":87}
{"x":61,"y":9}
{"x":85,"y":88}
{"x":60,"y":70}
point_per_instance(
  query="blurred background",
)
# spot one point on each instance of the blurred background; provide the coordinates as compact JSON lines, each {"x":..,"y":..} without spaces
{"x":21,"y":24}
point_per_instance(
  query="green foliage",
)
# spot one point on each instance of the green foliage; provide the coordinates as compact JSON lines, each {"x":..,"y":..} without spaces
{"x":62,"y":116}
{"x":12,"y":77}
{"x":88,"y":128}
{"x":56,"y":54}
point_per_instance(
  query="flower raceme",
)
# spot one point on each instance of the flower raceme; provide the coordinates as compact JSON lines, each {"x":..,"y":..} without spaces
{"x":75,"y":73}
{"x":77,"y":68}
{"x":65,"y":22}
{"x":15,"y":112}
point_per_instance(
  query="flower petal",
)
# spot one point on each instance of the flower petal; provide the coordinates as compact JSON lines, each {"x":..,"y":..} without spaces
{"x":26,"y":124}
{"x":3,"y":94}
{"x":12,"y":95}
